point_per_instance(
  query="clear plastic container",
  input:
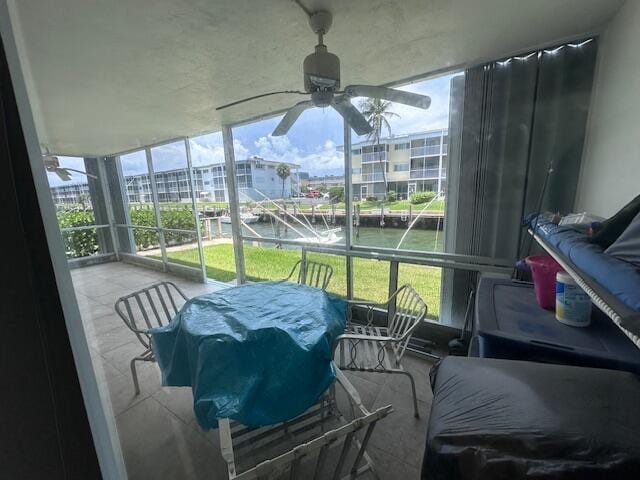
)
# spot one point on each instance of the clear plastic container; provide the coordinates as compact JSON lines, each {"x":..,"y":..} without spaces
{"x":573,"y":305}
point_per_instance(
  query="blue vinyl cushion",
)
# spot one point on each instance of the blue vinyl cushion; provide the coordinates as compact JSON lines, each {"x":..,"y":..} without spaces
{"x":621,"y":278}
{"x":258,"y":353}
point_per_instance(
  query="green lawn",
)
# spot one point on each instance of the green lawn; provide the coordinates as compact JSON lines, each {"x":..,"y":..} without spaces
{"x":371,"y":277}
{"x":436,"y":206}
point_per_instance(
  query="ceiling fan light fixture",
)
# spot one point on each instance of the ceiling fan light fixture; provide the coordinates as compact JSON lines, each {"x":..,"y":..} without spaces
{"x":321,"y":70}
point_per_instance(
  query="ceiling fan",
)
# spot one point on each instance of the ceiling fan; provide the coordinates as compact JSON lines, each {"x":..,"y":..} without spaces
{"x":322,"y":80}
{"x":52,"y":164}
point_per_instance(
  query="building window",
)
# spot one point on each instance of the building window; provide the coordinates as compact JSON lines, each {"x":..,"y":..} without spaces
{"x":375,"y":148}
{"x":401,"y":167}
{"x":402,"y":146}
{"x":356,"y":151}
{"x":356,"y":171}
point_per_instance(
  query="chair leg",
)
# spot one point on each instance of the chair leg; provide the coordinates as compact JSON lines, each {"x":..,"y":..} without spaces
{"x":413,"y":391}
{"x":134,"y":374}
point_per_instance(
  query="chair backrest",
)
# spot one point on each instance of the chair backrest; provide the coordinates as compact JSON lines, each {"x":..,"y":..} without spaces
{"x":152,"y":306}
{"x":311,"y":273}
{"x":409,"y":312}
{"x":316,"y":452}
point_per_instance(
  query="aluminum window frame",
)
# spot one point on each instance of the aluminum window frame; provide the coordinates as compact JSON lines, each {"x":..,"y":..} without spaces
{"x":349,"y":250}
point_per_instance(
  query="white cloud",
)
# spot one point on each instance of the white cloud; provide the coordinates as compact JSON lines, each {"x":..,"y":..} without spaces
{"x":209,"y":149}
{"x":324,"y":159}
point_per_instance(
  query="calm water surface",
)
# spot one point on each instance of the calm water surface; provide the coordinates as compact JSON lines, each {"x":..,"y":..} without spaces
{"x":423,"y":240}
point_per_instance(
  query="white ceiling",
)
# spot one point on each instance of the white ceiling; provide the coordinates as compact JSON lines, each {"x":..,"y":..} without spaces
{"x":105,"y":76}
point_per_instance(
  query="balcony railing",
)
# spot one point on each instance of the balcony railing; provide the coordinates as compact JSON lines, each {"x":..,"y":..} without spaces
{"x":428,"y":173}
{"x":372,"y":177}
{"x":425,"y":151}
{"x":374,"y":157}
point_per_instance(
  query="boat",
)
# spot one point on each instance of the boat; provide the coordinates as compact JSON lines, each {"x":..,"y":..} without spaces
{"x":246,"y":218}
{"x":329,"y":237}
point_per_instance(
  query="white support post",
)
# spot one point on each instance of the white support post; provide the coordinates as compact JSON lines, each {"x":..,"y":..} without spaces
{"x":234,"y":203}
{"x":348,"y":206}
{"x":194,"y":205}
{"x":156,"y":207}
{"x":440,"y":163}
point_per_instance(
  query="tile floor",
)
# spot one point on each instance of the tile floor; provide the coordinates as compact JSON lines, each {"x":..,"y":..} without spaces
{"x":158,"y":432}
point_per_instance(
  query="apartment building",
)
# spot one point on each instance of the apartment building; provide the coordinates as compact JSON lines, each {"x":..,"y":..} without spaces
{"x":256,"y":179}
{"x":414,"y":162}
{"x":71,"y":194}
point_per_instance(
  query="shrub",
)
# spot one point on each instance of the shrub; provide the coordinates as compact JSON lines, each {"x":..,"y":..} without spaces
{"x":82,"y":243}
{"x":422,"y":197}
{"x":180,"y":218}
{"x":78,"y":243}
{"x":372,"y":199}
{"x":392,"y":196}
{"x":145,"y":218}
{"x":336,"y":194}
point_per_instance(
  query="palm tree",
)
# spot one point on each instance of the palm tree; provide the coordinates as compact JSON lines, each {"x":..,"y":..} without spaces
{"x":283,"y":171}
{"x":378,"y":112}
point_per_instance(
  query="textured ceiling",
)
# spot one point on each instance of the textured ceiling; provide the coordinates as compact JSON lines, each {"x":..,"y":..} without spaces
{"x":105,"y":76}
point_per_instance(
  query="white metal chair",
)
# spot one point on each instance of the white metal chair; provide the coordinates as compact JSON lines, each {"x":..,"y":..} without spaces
{"x":311,"y":273}
{"x":313,"y":456}
{"x":368,"y":348}
{"x":152,"y":306}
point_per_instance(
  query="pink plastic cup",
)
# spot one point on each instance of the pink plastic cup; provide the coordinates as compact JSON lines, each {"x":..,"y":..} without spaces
{"x":544,"y":270}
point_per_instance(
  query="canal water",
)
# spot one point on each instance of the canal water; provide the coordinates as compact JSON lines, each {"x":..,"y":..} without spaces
{"x":388,"y":237}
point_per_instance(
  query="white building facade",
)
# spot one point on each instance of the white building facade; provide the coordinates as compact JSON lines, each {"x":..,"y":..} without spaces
{"x":256,"y":180}
{"x":415,"y":162}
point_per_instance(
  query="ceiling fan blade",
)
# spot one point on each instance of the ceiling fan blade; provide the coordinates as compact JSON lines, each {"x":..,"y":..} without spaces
{"x":81,"y":172}
{"x":391,"y":94}
{"x":62,"y":173}
{"x":352,"y":115}
{"x":260,"y":96}
{"x":290,"y":117}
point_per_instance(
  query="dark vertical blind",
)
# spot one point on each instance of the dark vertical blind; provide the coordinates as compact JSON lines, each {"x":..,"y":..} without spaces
{"x":520,"y":116}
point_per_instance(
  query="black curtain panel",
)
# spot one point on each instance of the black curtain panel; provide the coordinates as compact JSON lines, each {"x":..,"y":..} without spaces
{"x":510,"y":122}
{"x":521,"y":116}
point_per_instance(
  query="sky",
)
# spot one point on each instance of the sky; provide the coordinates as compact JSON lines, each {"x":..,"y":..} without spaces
{"x":312,"y":142}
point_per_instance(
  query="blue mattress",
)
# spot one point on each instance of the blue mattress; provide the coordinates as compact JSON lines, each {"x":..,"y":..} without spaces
{"x":621,"y":278}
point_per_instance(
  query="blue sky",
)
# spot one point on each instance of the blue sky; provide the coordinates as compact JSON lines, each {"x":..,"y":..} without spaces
{"x":312,"y":141}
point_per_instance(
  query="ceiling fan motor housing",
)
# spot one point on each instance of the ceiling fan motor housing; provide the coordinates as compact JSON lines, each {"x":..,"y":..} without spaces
{"x":321,"y":71}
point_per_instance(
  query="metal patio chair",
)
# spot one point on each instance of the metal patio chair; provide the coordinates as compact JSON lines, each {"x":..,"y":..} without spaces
{"x":152,"y":306}
{"x":367,"y":348}
{"x":311,"y":273}
{"x":320,"y":443}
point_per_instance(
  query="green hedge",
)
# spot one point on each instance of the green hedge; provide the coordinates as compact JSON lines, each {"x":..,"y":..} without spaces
{"x":82,"y":243}
{"x":422,"y":197}
{"x":78,"y":243}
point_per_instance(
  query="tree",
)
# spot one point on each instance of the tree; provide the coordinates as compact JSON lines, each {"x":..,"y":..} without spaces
{"x":336,"y":194}
{"x":83,"y":199}
{"x":283,"y":171}
{"x":378,"y":112}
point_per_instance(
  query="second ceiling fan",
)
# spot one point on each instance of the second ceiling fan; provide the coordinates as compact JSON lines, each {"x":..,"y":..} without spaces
{"x":322,"y":81}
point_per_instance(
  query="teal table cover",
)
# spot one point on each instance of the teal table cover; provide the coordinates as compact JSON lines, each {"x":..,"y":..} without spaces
{"x":258,"y":353}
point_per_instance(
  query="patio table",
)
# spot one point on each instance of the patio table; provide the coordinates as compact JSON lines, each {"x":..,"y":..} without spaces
{"x":257,"y":353}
